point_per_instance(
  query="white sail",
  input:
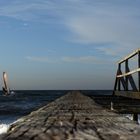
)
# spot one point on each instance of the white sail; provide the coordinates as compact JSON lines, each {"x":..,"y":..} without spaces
{"x":5,"y":81}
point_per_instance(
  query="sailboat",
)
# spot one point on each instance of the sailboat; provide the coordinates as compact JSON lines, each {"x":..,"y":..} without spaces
{"x":5,"y":88}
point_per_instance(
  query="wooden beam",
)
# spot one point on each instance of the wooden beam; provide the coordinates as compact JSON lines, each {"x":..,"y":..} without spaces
{"x":128,"y":73}
{"x":139,"y":71}
{"x":126,"y":70}
{"x":119,"y":82}
{"x":115,"y":86}
{"x":135,"y":117}
{"x":123,"y":82}
{"x":116,"y":81}
{"x":132,"y":82}
{"x":129,"y":56}
{"x":129,"y":78}
{"x":129,"y":94}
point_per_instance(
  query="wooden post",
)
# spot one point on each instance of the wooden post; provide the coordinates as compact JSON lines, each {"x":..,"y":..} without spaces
{"x":111,"y":106}
{"x":135,"y":117}
{"x":119,"y":80}
{"x":139,"y":71}
{"x":116,"y":82}
{"x":126,"y":78}
{"x":123,"y":79}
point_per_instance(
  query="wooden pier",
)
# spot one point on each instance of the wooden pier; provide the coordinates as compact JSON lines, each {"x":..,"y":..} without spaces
{"x":125,"y":84}
{"x":73,"y":117}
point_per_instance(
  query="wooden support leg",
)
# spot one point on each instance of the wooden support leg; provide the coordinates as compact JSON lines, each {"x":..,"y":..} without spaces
{"x":139,"y":72}
{"x":111,"y":106}
{"x":135,"y":117}
{"x":126,"y":78}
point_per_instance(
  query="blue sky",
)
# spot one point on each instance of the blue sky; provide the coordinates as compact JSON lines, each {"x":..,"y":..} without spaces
{"x":66,"y":44}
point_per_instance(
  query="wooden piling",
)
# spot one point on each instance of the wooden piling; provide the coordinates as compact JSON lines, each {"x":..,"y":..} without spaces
{"x":135,"y":117}
{"x":111,"y":104}
{"x":139,"y":71}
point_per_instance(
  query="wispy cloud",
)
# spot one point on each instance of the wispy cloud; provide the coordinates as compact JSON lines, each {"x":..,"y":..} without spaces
{"x":108,"y":23}
{"x":39,"y":59}
{"x":69,"y":59}
{"x":112,"y":51}
{"x":82,"y":59}
{"x":25,"y":10}
{"x":86,"y":60}
{"x":88,"y":21}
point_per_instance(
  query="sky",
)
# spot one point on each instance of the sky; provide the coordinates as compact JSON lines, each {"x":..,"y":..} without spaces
{"x":66,"y":44}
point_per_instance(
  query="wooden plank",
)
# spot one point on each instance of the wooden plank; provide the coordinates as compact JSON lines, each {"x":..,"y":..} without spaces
{"x":119,"y":81}
{"x":128,"y":73}
{"x":74,"y":117}
{"x":129,"y":94}
{"x":115,"y":86}
{"x":120,"y":104}
{"x":139,"y":71}
{"x":123,"y":82}
{"x":130,"y":78}
{"x":129,"y":56}
{"x":132,"y":82}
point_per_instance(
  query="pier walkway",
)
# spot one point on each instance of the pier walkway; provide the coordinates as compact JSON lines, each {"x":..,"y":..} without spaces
{"x":73,"y":116}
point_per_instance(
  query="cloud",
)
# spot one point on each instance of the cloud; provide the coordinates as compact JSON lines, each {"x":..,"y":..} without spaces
{"x":69,"y":59}
{"x":25,"y":24}
{"x":39,"y":59}
{"x":85,"y":60}
{"x":111,"y":51}
{"x":114,"y":22}
{"x":118,"y":25}
{"x":82,"y":59}
{"x":32,"y":10}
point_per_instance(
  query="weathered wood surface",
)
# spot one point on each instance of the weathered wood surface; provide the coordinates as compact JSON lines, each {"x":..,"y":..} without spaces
{"x":121,"y":104}
{"x":129,"y":56}
{"x":128,"y":73}
{"x":73,"y":117}
{"x":129,"y":94}
{"x":123,"y":79}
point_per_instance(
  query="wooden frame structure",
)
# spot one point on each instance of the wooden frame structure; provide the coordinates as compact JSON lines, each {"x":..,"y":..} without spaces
{"x":125,"y":78}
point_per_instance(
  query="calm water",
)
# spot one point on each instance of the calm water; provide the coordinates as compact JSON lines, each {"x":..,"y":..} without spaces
{"x":23,"y":102}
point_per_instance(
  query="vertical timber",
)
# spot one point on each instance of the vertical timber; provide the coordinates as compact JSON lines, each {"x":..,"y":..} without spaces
{"x":125,"y":84}
{"x":139,"y":72}
{"x":126,"y":78}
{"x":135,"y":117}
{"x":119,"y":81}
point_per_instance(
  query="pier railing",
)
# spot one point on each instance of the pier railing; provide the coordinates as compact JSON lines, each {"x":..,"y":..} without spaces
{"x":125,"y":81}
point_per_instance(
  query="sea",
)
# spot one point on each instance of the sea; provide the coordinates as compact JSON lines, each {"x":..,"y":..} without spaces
{"x":13,"y":107}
